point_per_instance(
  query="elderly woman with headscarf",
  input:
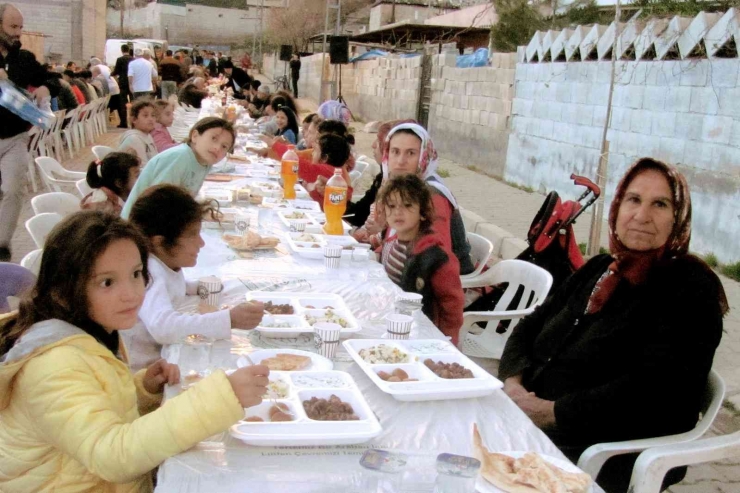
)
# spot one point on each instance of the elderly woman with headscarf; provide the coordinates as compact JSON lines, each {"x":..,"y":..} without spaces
{"x":623,"y":349}
{"x":334,"y":110}
{"x":409,"y":149}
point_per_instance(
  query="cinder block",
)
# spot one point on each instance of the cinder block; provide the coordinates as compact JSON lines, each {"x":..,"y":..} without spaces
{"x":643,"y":145}
{"x":494,"y":234}
{"x":671,"y":150}
{"x":729,"y":101}
{"x":599,"y":116}
{"x":522,"y":107}
{"x":598,"y":94}
{"x":723,"y":72}
{"x":664,"y":124}
{"x":547,"y":128}
{"x":654,"y":98}
{"x":620,"y":119}
{"x":678,"y":99}
{"x":698,"y":155}
{"x":634,"y":96}
{"x":704,"y":100}
{"x":512,"y":247}
{"x":569,"y":113}
{"x":689,"y":126}
{"x":694,"y":72}
{"x":641,"y":122}
{"x":717,"y":129}
{"x":579,"y":92}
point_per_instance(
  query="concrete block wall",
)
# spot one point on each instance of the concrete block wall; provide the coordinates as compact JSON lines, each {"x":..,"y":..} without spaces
{"x":52,"y":18}
{"x":686,"y":113}
{"x":470,"y":110}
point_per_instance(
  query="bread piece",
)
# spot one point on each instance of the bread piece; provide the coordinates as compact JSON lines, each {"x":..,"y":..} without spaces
{"x":287,"y":362}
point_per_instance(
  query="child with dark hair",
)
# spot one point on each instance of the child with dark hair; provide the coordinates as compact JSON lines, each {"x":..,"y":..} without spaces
{"x":305,"y":126}
{"x":70,"y":418}
{"x":329,"y":152}
{"x":171,"y":218}
{"x":415,"y":258}
{"x":187,"y":164}
{"x":287,"y":124}
{"x":165,"y":113}
{"x":112,"y":179}
{"x":138,"y":140}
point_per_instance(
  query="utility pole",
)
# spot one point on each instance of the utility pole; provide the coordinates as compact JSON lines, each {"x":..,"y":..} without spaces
{"x":594,"y":238}
{"x":262,"y":35}
{"x":122,"y":5}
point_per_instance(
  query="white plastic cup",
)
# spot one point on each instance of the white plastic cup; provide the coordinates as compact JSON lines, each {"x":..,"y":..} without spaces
{"x":326,"y":338}
{"x":298,"y":226}
{"x":332,"y":256}
{"x":241,"y":223}
{"x":408,"y":303}
{"x":195,"y":359}
{"x":209,"y":291}
{"x":360,"y":254}
{"x":398,"y":326}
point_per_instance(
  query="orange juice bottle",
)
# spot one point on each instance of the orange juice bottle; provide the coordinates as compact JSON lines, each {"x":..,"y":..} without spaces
{"x":289,"y":172}
{"x":335,"y":203}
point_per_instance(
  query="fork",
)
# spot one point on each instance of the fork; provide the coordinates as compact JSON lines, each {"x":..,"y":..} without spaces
{"x":273,"y":400}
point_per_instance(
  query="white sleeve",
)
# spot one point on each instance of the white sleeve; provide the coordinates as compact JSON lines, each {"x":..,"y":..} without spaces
{"x":191,"y":287}
{"x":130,"y":70}
{"x":168,"y":326}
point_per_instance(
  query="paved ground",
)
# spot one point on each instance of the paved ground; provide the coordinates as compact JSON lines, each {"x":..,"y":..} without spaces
{"x":513,"y":209}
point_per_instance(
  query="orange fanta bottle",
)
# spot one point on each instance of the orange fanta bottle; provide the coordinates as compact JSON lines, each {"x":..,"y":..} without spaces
{"x":289,"y":172}
{"x":335,"y":203}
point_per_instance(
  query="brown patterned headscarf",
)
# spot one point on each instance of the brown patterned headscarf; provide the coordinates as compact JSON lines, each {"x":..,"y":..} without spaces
{"x":635,"y":266}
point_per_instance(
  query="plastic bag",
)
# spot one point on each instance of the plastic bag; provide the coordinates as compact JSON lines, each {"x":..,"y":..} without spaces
{"x":16,"y":101}
{"x":477,"y":59}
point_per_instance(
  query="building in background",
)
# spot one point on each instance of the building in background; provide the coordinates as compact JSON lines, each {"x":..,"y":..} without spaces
{"x":72,"y":29}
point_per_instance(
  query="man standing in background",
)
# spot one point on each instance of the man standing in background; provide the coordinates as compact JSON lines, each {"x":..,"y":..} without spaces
{"x":171,"y":72}
{"x":121,"y":71}
{"x":141,"y":75}
{"x":295,"y":72}
{"x":22,"y":69}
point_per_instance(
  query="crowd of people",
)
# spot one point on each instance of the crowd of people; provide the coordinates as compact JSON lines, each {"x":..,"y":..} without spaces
{"x":611,"y":355}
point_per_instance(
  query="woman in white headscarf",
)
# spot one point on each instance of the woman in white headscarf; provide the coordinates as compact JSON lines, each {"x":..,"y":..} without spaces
{"x":409,"y":149}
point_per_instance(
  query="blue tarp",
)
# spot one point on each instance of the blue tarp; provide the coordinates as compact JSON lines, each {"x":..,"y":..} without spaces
{"x":369,"y":55}
{"x":477,"y":59}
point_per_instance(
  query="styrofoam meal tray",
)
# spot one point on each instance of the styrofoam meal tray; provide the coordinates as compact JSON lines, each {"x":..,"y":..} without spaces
{"x":300,"y":216}
{"x":305,"y":247}
{"x":308,"y":308}
{"x":265,"y":187}
{"x":291,"y":205}
{"x":228,"y":221}
{"x":302,"y":430}
{"x":483,"y":486}
{"x":318,"y":362}
{"x":430,"y":387}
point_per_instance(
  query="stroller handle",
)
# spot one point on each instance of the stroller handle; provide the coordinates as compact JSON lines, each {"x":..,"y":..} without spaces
{"x":585,"y":182}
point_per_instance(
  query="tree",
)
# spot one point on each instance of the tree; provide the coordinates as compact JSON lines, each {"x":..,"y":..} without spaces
{"x":517,"y":23}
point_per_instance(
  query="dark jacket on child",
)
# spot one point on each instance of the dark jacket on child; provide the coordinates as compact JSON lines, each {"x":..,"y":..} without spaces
{"x":435,"y":274}
{"x":637,"y":368}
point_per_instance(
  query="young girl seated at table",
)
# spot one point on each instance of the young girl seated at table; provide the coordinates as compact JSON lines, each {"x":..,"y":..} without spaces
{"x":70,"y":408}
{"x":329,"y":153}
{"x":415,"y":258}
{"x":139,"y":140}
{"x":187,"y":164}
{"x":305,"y":126}
{"x":287,"y":124}
{"x":171,"y":220}
{"x":111,"y":179}
{"x":165,"y":116}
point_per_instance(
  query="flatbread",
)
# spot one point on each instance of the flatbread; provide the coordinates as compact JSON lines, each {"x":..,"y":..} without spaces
{"x":250,"y":241}
{"x":528,"y":474}
{"x":287,"y":362}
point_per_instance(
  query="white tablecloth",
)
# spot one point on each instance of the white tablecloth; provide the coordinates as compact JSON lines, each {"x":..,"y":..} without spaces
{"x":422,"y":429}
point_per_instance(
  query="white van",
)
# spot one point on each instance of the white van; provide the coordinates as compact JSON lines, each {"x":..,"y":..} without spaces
{"x":113,"y":49}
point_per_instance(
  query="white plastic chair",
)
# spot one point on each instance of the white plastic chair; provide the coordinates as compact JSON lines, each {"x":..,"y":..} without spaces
{"x":50,"y":167}
{"x":653,"y":464}
{"x":354,"y":176}
{"x":60,"y":202}
{"x":593,"y":458}
{"x":481,"y":250}
{"x":32,"y":261}
{"x":83,"y":188}
{"x":360,"y":166}
{"x":101,"y":151}
{"x":70,"y":132}
{"x":537,"y":283}
{"x":41,"y":225}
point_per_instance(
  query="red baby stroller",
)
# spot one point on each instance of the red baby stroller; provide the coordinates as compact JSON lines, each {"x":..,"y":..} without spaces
{"x":552,"y":243}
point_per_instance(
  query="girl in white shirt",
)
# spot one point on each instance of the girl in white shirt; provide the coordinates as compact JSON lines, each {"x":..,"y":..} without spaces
{"x":171,"y":218}
{"x":139,"y":140}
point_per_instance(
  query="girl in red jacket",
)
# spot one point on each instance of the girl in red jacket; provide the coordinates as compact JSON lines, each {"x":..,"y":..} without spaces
{"x":415,"y":258}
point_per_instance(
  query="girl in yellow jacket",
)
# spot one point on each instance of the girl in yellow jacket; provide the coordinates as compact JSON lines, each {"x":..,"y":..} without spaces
{"x":72,"y":417}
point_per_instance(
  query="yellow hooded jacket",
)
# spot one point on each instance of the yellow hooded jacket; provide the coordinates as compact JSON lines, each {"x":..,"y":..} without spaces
{"x":69,"y":416}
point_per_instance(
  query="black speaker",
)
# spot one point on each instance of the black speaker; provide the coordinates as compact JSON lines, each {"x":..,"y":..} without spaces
{"x":339,"y":49}
{"x":286,"y":51}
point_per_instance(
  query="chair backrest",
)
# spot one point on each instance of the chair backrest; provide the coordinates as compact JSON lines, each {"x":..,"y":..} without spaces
{"x":83,"y":188}
{"x":14,"y":281}
{"x":354,"y":175}
{"x":60,"y":202}
{"x":536,"y":281}
{"x":711,"y":402}
{"x":481,"y":250}
{"x":41,"y":225}
{"x":50,"y":167}
{"x":101,"y":151}
{"x":360,"y":166}
{"x":32,"y":261}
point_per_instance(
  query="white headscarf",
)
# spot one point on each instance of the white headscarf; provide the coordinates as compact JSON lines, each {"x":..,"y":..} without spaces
{"x":427,"y":168}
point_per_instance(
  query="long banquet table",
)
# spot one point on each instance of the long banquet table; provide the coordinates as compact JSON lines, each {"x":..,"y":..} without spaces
{"x":422,"y":430}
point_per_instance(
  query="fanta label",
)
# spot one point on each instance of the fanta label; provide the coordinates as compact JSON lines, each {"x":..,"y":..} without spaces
{"x":337,"y":198}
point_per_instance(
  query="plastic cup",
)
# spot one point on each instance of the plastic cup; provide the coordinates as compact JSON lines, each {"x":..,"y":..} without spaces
{"x":408,"y":303}
{"x":241,"y":223}
{"x":332,"y":256}
{"x":398,"y":326}
{"x":360,"y":254}
{"x":209,"y":291}
{"x":326,"y":338}
{"x":195,"y":359}
{"x":298,"y":226}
